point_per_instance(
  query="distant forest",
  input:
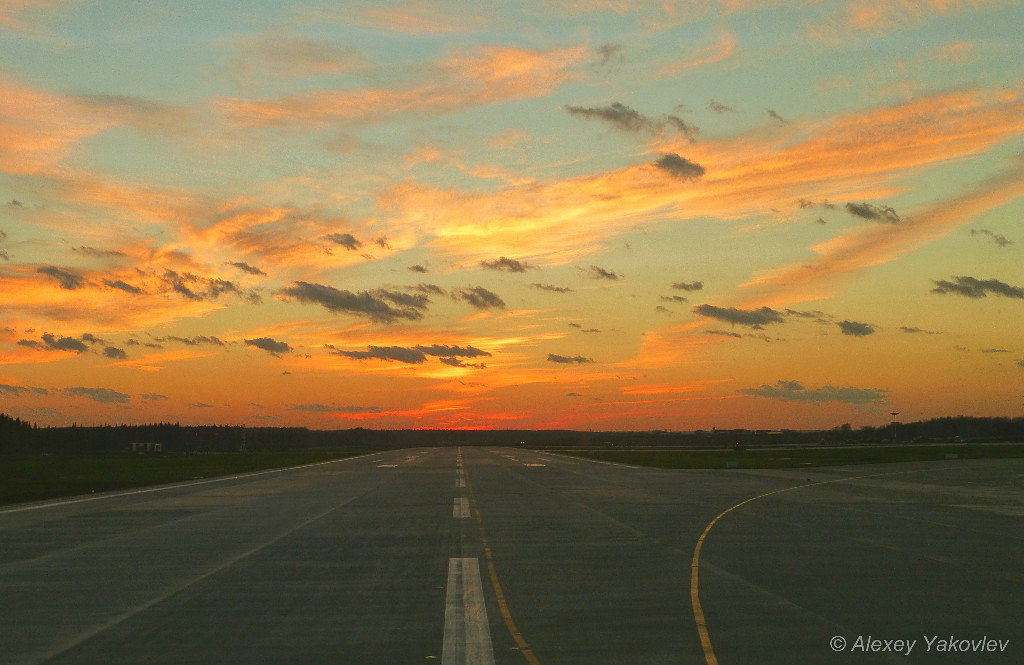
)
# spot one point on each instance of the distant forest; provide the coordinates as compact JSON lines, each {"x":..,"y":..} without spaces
{"x":20,"y":436}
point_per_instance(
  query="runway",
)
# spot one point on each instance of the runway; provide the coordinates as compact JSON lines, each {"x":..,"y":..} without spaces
{"x":481,"y":555}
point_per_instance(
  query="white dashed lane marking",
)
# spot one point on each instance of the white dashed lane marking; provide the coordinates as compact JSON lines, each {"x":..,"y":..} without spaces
{"x":467,"y":638}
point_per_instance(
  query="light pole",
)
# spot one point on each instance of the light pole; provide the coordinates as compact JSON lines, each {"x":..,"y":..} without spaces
{"x":894,"y":423}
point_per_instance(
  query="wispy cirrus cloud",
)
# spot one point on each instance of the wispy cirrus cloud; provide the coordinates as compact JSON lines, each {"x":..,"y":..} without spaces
{"x":410,"y":17}
{"x":39,"y":128}
{"x":277,"y":237}
{"x":849,"y":154}
{"x":721,"y":49}
{"x":884,"y":15}
{"x":288,"y":54}
{"x":840,"y":22}
{"x":137,"y":113}
{"x":882,"y":243}
{"x":157,"y":361}
{"x":100,"y":303}
{"x":487,"y":75}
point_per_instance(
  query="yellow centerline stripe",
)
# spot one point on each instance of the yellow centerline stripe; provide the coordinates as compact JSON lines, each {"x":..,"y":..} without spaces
{"x":506,"y":614}
{"x":698,"y":611}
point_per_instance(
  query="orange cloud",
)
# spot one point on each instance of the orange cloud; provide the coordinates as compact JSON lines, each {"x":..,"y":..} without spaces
{"x":285,"y":53}
{"x":669,"y":388}
{"x":837,"y":259}
{"x":656,"y":15}
{"x":418,"y":18}
{"x":708,"y":55}
{"x":283,"y":236}
{"x":957,"y":51}
{"x":881,"y":243}
{"x":154,"y":362}
{"x":11,"y":11}
{"x":879,"y":15}
{"x":95,"y":304}
{"x":487,"y":76}
{"x":38,"y":130}
{"x":21,"y":356}
{"x":876,"y":16}
{"x":861,"y":155}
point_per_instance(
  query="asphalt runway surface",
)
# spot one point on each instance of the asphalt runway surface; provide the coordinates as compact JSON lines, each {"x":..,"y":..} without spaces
{"x":508,"y":556}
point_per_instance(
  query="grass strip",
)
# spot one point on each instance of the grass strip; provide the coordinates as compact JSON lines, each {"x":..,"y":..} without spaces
{"x":781,"y":458}
{"x":26,"y":477}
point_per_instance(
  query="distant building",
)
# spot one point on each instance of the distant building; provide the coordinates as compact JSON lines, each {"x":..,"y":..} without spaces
{"x":146,"y":447}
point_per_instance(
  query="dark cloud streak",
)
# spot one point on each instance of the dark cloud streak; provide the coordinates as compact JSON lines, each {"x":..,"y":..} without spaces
{"x":372,"y":304}
{"x":627,"y":119}
{"x":65,"y":279}
{"x":754,"y":318}
{"x":269,"y":345}
{"x":998,"y":239}
{"x":101,"y":395}
{"x":507,"y":265}
{"x":679,"y":167}
{"x":855,"y":328}
{"x":568,"y":360}
{"x":792,"y":391}
{"x":479,"y":297}
{"x":972,"y":287}
{"x":882,"y":214}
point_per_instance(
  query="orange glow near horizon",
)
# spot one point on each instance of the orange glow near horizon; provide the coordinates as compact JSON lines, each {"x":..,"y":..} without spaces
{"x":429,"y":216}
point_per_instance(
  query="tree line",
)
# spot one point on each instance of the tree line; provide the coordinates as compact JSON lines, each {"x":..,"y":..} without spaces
{"x":17,"y":435}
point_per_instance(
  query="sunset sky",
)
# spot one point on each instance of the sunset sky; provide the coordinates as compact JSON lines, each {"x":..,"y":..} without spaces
{"x":583,"y":214}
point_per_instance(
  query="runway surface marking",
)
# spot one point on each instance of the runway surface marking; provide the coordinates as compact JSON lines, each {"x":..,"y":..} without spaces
{"x":175,"y":590}
{"x":506,"y":614}
{"x":698,"y":611}
{"x":460,"y":508}
{"x":467,"y":638}
{"x":164,"y":488}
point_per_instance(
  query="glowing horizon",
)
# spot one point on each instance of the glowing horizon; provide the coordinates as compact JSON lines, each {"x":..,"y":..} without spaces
{"x":563,"y":214}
